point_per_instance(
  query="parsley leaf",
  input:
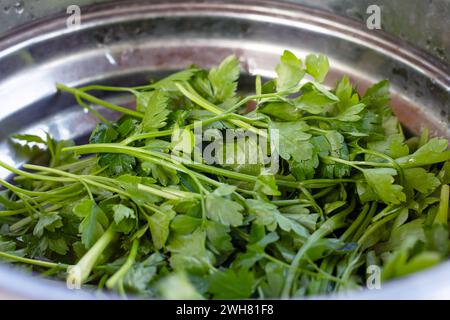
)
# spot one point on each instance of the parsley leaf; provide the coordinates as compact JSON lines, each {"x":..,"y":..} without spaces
{"x":289,"y":72}
{"x":224,"y":78}
{"x":103,"y":133}
{"x":267,"y":184}
{"x":421,"y":180}
{"x":268,"y":215}
{"x":231,"y":284}
{"x":49,"y":221}
{"x":117,"y":163}
{"x":293,"y":140}
{"x":434,"y":151}
{"x":317,"y":66}
{"x":124,"y":218}
{"x":156,"y":112}
{"x":223,"y":210}
{"x":159,"y":223}
{"x":188,"y":252}
{"x":313,"y":102}
{"x":381,"y":180}
{"x":94,"y":221}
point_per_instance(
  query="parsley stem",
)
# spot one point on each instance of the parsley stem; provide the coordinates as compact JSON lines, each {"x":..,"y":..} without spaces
{"x":390,"y":209}
{"x":108,"y":88}
{"x":324,"y":273}
{"x":375,"y":226}
{"x":325,"y":228}
{"x":147,"y":135}
{"x":351,"y":265}
{"x":162,"y":133}
{"x":391,"y":161}
{"x":323,"y":192}
{"x":366,"y":222}
{"x":45,"y":204}
{"x":313,"y":202}
{"x":98,"y":101}
{"x":150,"y":156}
{"x":79,"y":273}
{"x":8,"y":213}
{"x":190,"y":93}
{"x":281,"y":203}
{"x":24,"y":191}
{"x":121,"y":273}
{"x":320,"y":274}
{"x":249,"y":98}
{"x":92,"y":110}
{"x":23,"y":222}
{"x":326,"y":119}
{"x":40,"y":263}
{"x":145,"y":188}
{"x":32,"y":175}
{"x":442,"y":214}
{"x":347,"y":162}
{"x":359,"y":219}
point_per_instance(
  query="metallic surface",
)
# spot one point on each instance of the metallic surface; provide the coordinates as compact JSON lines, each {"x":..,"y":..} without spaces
{"x":127,"y":42}
{"x":420,"y":22}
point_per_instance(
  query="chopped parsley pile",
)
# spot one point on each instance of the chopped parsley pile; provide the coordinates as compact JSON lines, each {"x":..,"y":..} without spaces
{"x":121,"y":213}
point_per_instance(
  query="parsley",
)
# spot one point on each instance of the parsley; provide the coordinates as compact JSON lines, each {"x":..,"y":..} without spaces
{"x":130,"y":212}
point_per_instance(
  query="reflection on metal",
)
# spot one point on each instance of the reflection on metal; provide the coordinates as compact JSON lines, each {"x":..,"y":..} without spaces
{"x":420,"y":22}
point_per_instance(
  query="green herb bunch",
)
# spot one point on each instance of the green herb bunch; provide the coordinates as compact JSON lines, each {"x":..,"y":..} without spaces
{"x":122,"y":213}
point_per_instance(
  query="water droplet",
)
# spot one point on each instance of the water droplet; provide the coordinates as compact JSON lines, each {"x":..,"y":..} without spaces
{"x":19,"y":7}
{"x":110,"y":58}
{"x":412,"y":160}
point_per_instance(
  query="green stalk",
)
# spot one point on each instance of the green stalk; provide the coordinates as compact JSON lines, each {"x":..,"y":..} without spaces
{"x":376,"y":226}
{"x":21,"y":223}
{"x":89,"y":180}
{"x":98,"y":101}
{"x":190,"y":93}
{"x":347,"y":162}
{"x":442,"y":214}
{"x":281,"y":203}
{"x":8,"y":213}
{"x":163,"y":133}
{"x":394,"y":163}
{"x":320,"y":273}
{"x":164,"y":158}
{"x":79,"y":273}
{"x":92,"y":110}
{"x":24,"y":191}
{"x":331,"y":224}
{"x":352,"y":264}
{"x":366,"y":222}
{"x":254,"y":97}
{"x":319,"y":118}
{"x":108,"y":88}
{"x":34,"y":262}
{"x":32,"y":175}
{"x":385,"y":212}
{"x":121,"y":273}
{"x":352,"y":228}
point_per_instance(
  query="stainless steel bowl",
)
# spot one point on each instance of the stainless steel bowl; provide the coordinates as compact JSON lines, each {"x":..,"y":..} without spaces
{"x":128,"y":42}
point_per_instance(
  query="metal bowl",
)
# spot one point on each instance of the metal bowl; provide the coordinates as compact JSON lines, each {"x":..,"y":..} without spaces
{"x":128,"y":42}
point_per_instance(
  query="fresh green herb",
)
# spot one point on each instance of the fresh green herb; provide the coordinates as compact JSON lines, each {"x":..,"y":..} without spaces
{"x":137,"y":212}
